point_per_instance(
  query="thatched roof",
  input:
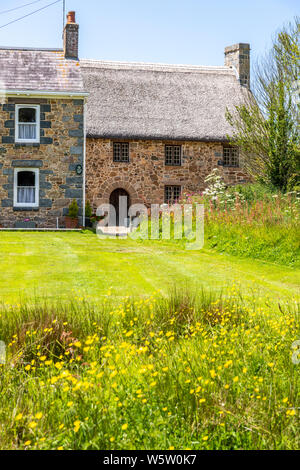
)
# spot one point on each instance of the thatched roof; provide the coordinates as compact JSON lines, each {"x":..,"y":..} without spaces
{"x":43,"y":70}
{"x":148,"y":101}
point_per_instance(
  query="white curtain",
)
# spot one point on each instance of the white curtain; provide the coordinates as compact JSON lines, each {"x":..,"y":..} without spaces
{"x":26,"y":194}
{"x":27,"y":131}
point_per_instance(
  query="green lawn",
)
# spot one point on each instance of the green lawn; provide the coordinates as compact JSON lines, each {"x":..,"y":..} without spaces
{"x":68,"y":265}
{"x":171,"y":371}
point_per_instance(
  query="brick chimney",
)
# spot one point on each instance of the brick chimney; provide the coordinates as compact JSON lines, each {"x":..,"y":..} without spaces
{"x":238,"y":57}
{"x":71,"y":37}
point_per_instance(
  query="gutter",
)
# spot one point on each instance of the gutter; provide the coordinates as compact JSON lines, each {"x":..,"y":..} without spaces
{"x":41,"y":94}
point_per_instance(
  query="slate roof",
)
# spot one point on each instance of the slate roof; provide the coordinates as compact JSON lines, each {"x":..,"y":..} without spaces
{"x":157,"y":101}
{"x":131,"y":100}
{"x":39,"y":69}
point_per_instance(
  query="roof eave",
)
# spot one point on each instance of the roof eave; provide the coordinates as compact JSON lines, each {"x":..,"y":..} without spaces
{"x":43,"y":94}
{"x":181,"y":138}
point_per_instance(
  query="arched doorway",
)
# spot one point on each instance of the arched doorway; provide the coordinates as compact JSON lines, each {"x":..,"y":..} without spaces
{"x":120,"y":199}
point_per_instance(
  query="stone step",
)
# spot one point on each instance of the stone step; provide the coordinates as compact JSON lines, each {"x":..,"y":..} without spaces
{"x":114,"y":231}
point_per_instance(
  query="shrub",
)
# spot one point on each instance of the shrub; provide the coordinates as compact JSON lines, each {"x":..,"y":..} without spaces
{"x":73,"y":209}
{"x":88,"y":210}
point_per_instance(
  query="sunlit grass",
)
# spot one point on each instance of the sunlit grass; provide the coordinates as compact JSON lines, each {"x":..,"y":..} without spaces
{"x":196,"y":370}
{"x":245,"y":223}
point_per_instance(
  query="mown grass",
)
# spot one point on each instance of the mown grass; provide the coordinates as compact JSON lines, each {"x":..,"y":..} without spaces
{"x":191,"y":370}
{"x":64,"y":266}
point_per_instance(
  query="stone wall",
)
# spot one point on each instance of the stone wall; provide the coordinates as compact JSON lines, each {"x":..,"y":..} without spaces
{"x":57,"y":155}
{"x":146,"y":175}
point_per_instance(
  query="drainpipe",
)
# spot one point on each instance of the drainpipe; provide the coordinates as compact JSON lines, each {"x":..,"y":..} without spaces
{"x":84,"y":161}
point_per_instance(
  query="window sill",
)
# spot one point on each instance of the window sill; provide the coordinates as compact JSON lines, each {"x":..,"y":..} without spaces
{"x":19,"y":145}
{"x":28,"y":142}
{"x":26,"y":209}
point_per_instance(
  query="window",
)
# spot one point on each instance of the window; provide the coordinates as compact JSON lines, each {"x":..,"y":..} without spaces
{"x":172,"y":194}
{"x":26,"y":187}
{"x":230,"y":156}
{"x":121,"y":152}
{"x":27,"y":123}
{"x":173,"y":155}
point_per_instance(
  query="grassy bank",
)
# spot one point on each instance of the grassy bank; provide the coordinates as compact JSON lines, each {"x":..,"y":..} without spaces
{"x":197,"y":371}
{"x":279,"y":244}
{"x":250,"y":221}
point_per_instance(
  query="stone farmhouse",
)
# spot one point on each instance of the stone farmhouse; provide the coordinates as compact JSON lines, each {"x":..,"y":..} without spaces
{"x":95,"y":130}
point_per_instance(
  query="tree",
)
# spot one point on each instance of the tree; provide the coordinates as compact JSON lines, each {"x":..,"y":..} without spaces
{"x":266,"y":126}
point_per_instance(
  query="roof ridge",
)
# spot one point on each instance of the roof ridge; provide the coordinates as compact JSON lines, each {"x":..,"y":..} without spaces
{"x":154,"y":66}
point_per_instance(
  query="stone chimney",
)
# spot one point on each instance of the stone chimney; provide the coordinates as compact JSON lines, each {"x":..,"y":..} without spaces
{"x":238,"y":57}
{"x":71,"y":37}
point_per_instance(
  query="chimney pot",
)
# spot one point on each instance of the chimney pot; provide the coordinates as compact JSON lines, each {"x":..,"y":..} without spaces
{"x":71,"y":17}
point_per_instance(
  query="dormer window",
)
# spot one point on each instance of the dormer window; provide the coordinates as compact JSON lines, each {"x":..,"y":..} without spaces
{"x":27,"y":124}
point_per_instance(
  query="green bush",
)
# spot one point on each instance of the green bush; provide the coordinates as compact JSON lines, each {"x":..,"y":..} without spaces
{"x":73,"y":209}
{"x":88,"y":210}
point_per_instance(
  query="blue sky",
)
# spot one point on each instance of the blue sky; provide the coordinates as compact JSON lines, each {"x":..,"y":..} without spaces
{"x":170,"y":31}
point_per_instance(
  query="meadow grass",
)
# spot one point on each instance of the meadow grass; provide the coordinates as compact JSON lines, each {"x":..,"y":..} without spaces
{"x":280,"y":245}
{"x":189,"y":370}
{"x":266,"y":230}
{"x":251,"y":221}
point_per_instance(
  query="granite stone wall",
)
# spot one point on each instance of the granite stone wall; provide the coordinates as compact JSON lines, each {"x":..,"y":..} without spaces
{"x":146,"y":175}
{"x":57,"y":157}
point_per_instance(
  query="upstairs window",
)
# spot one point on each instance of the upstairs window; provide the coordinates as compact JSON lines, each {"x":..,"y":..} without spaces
{"x":230,"y":156}
{"x":27,"y":124}
{"x":173,"y":155}
{"x":172,"y":194}
{"x":121,"y":152}
{"x":26,"y":187}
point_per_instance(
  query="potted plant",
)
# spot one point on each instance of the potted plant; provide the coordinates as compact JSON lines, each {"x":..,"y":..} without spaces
{"x":88,"y":215}
{"x":95,"y":219}
{"x":71,"y":220}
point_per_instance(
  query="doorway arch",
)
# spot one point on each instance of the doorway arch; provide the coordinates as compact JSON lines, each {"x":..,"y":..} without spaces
{"x":121,"y":205}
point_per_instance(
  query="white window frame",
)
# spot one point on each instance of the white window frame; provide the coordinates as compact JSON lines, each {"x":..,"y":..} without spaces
{"x":37,"y":187}
{"x":38,"y":124}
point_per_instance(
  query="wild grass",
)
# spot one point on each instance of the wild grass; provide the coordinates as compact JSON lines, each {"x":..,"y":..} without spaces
{"x":192,"y":370}
{"x":266,"y":230}
{"x":251,"y":221}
